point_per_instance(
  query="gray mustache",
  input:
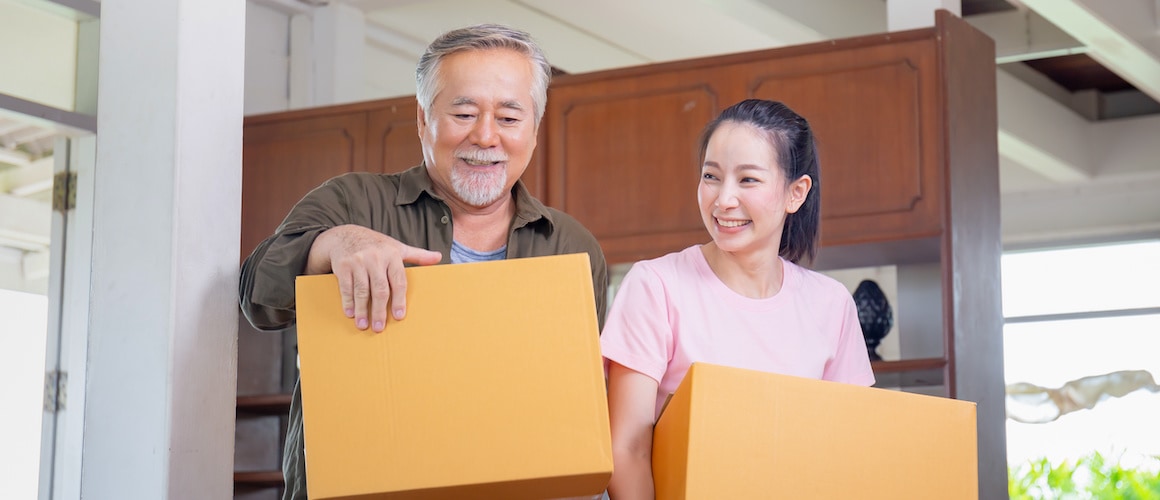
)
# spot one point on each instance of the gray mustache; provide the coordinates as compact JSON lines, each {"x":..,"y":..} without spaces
{"x":481,"y":155}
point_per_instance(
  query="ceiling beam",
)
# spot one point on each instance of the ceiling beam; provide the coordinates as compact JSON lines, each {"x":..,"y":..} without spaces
{"x":14,"y":157}
{"x":759,"y":15}
{"x":25,"y":223}
{"x":390,"y":40}
{"x":1100,"y":210}
{"x":1022,"y":35}
{"x":830,"y":18}
{"x":369,"y":5}
{"x":30,"y":179}
{"x":1041,"y":134}
{"x":285,"y":6}
{"x":1106,"y":42}
{"x":35,"y":265}
{"x":1127,"y":148}
{"x":64,"y":121}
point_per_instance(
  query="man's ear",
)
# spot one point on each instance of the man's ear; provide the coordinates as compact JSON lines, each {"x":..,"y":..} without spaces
{"x":421,"y":120}
{"x":798,"y":190}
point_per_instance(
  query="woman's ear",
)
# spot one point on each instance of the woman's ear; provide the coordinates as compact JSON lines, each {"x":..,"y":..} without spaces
{"x":798,"y":190}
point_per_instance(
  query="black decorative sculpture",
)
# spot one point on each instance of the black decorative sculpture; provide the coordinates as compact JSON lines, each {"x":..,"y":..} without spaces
{"x":874,"y":315}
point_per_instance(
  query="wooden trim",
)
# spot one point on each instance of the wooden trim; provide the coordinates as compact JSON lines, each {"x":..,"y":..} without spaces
{"x":907,"y":365}
{"x":259,"y":479}
{"x":265,"y":404}
{"x":328,"y":110}
{"x":926,"y":372}
{"x":971,"y":269}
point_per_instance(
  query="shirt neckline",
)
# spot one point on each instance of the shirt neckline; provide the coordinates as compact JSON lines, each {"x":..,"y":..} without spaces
{"x":790,"y":281}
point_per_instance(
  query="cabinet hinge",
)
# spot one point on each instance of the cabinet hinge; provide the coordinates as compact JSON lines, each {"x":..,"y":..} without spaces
{"x":64,"y":193}
{"x":55,"y":391}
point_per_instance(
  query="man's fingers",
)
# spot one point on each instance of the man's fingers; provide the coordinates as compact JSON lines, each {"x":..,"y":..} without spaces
{"x":344,"y":289}
{"x":361,"y":294}
{"x":415,"y":255}
{"x":380,"y":298}
{"x":398,"y":278}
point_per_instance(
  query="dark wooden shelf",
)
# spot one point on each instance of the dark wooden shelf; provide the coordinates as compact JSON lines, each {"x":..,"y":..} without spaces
{"x":264,"y":404}
{"x":907,"y":365}
{"x":258,"y":479}
{"x":926,"y":372}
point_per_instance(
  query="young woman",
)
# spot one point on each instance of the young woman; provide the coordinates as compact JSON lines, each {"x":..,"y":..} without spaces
{"x":740,"y":300}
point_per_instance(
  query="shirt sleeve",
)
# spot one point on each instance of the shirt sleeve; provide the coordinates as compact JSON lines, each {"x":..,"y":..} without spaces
{"x":266,"y":284}
{"x":638,"y":333}
{"x":851,"y":363}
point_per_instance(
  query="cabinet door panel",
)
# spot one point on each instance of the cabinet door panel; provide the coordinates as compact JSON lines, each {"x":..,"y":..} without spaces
{"x":875,"y":114}
{"x":284,"y":160}
{"x":393,"y":137}
{"x":623,"y":161}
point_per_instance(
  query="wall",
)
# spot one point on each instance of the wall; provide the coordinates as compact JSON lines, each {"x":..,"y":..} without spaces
{"x":267,"y":60}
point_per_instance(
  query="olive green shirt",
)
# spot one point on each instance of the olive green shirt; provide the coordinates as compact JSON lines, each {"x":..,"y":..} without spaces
{"x":405,"y":207}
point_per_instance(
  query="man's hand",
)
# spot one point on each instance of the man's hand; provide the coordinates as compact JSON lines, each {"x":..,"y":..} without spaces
{"x":369,"y":267}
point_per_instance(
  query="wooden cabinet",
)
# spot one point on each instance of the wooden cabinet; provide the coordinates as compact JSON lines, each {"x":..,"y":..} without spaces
{"x":285,"y":155}
{"x":392,"y":136}
{"x":875,"y":111}
{"x":285,"y":159}
{"x":623,"y":144}
{"x":623,"y":158}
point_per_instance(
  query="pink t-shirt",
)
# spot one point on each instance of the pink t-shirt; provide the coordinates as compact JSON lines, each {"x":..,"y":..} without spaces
{"x":673,"y":310}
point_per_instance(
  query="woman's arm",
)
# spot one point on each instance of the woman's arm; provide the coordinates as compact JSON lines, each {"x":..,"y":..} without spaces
{"x":632,"y":409}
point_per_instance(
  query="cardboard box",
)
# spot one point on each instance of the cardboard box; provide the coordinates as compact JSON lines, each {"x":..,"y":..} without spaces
{"x":491,"y":387}
{"x":735,"y":433}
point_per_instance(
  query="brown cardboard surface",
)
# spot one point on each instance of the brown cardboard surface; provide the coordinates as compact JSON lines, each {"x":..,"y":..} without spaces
{"x":735,"y":433}
{"x":491,"y":387}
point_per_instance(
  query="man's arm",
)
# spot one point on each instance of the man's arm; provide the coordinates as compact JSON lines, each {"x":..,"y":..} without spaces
{"x":320,"y":235}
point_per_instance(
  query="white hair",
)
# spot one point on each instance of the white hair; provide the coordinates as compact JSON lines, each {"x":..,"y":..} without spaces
{"x":481,"y":37}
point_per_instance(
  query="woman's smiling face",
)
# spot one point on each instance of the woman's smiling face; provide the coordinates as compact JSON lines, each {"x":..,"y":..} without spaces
{"x":743,"y":194}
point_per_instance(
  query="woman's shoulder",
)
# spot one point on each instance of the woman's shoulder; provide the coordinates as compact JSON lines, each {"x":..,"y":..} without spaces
{"x":816,"y":283}
{"x":673,"y":264}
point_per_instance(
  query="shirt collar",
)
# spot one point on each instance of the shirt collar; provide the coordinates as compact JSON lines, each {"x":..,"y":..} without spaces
{"x":415,"y":181}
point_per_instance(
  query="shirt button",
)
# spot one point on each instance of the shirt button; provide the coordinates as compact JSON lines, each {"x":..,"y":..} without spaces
{"x":445,"y":219}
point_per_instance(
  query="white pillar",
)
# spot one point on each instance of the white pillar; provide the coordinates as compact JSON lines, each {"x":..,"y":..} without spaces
{"x":161,"y":378}
{"x":326,"y":56}
{"x":913,"y":14}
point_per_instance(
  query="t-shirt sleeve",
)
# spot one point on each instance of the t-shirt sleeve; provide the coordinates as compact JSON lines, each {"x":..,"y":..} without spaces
{"x":851,"y":363}
{"x":637,"y":333}
{"x":266,"y":284}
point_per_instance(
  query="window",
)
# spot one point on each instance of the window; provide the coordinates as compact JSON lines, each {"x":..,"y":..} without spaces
{"x":1083,"y":329}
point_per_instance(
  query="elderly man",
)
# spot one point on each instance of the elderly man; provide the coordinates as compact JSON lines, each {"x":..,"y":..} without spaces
{"x":481,"y":93}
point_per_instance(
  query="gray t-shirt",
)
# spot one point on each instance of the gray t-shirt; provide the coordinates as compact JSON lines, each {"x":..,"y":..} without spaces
{"x":462,"y":255}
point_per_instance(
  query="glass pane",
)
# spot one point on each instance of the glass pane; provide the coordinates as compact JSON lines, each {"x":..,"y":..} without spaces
{"x":25,"y":323}
{"x":1052,"y":353}
{"x":1110,"y":277}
